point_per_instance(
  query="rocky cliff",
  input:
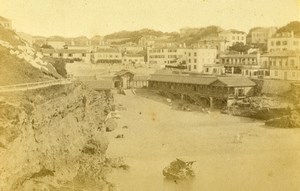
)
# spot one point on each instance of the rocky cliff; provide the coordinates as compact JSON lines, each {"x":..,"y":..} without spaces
{"x":53,"y":139}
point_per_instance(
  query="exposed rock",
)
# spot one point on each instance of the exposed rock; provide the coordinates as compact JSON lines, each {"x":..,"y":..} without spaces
{"x":287,"y":121}
{"x":111,"y":125}
{"x":120,"y":136}
{"x":56,"y":143}
{"x":179,"y":169}
{"x":260,"y":108}
{"x":117,"y":163}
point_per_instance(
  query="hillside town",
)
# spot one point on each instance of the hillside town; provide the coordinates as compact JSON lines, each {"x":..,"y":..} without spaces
{"x":200,"y":108}
{"x":264,"y":55}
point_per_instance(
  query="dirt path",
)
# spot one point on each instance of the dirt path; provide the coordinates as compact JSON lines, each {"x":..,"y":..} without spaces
{"x":232,"y":153}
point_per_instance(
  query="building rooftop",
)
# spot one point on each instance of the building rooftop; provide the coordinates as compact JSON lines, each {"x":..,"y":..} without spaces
{"x":184,"y":79}
{"x":233,"y":31}
{"x":238,"y":56}
{"x":236,"y":81}
{"x":108,"y":50}
{"x":64,"y":51}
{"x":141,"y":78}
{"x":122,"y":72}
{"x":203,"y":80}
{"x":264,"y":29}
{"x":282,"y":53}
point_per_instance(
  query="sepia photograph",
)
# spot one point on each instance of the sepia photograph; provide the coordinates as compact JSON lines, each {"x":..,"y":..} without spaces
{"x":149,"y":95}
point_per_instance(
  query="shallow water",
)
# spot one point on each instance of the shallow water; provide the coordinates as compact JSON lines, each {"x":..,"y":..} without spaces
{"x":231,"y":153}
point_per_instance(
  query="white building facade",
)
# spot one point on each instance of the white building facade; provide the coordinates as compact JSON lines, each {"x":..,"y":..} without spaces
{"x":233,"y":37}
{"x":197,"y":58}
{"x":165,"y":56}
{"x":284,"y":65}
{"x":283,"y":42}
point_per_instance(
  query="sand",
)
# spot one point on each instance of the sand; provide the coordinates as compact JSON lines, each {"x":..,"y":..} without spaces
{"x":231,"y":153}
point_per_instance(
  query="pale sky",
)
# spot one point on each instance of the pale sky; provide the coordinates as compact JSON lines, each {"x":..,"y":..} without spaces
{"x":90,"y":17}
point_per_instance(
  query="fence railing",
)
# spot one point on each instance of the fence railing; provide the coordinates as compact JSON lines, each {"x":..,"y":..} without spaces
{"x":33,"y":85}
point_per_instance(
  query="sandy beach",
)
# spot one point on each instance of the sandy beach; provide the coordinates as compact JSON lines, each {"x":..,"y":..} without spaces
{"x":231,"y":153}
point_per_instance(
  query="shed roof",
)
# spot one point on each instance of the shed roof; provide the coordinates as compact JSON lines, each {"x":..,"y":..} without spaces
{"x":122,"y":72}
{"x":185,"y":79}
{"x":236,"y":81}
{"x":141,"y":78}
{"x":64,"y":51}
{"x":238,"y":56}
{"x":107,"y":50}
{"x":203,"y":80}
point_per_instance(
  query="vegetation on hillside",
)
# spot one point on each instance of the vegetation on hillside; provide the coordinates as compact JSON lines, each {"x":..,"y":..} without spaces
{"x":59,"y":64}
{"x":195,"y":34}
{"x":15,"y":71}
{"x":133,"y":36}
{"x":292,"y":26}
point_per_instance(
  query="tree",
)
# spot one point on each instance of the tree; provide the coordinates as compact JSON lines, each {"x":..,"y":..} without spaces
{"x":47,"y":46}
{"x":239,"y":47}
{"x":292,"y":26}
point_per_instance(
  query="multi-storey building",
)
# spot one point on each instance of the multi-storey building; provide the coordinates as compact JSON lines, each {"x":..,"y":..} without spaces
{"x":67,"y":54}
{"x":284,"y":41}
{"x":147,"y":40}
{"x":165,"y":55}
{"x":6,"y":23}
{"x":233,"y":36}
{"x":197,"y":58}
{"x":247,"y":65}
{"x":283,"y":65}
{"x":220,"y":44}
{"x":261,"y":35}
{"x":129,"y":47}
{"x":107,"y":56}
{"x":133,"y":59}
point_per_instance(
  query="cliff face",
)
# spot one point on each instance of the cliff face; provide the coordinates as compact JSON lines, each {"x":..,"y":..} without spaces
{"x":53,"y":139}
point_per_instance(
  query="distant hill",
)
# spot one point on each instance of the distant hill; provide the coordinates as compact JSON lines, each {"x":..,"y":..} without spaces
{"x":292,"y":26}
{"x":192,"y":35}
{"x":187,"y":35}
{"x":20,"y":63}
{"x":133,"y":36}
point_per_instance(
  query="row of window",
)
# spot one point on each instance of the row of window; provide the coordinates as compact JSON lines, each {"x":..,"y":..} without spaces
{"x":257,"y":35}
{"x":108,"y":56}
{"x":134,"y":60}
{"x":226,"y":60}
{"x":156,"y":56}
{"x":69,"y":55}
{"x":162,"y":50}
{"x":283,"y":43}
{"x":285,"y":74}
{"x":280,"y":63}
{"x":203,"y":54}
{"x":194,"y":67}
{"x":241,"y":38}
{"x":282,"y":49}
{"x":195,"y":60}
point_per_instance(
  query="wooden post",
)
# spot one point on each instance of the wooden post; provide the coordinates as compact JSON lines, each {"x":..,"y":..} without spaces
{"x":211,"y":100}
